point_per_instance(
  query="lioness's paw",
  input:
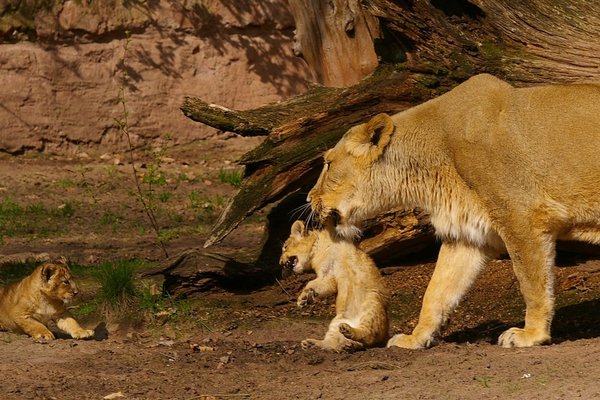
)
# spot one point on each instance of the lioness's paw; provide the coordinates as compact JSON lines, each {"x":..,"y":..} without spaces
{"x":408,"y":342}
{"x":519,"y":337}
{"x":82,"y":334}
{"x":306,"y":297}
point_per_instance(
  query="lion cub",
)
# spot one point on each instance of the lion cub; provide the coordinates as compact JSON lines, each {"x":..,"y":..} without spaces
{"x":28,"y":305}
{"x":361,"y":305}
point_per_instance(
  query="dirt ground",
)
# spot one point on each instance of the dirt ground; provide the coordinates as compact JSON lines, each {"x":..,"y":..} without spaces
{"x":245,"y":345}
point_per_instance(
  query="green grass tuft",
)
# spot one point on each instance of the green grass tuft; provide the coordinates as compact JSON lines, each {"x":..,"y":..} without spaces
{"x":117,"y":280}
{"x":232,"y":177}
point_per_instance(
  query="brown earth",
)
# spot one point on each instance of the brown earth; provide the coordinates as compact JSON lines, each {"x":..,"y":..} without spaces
{"x":245,"y":345}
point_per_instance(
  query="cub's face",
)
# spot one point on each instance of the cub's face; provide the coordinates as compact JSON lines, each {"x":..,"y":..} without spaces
{"x":343,"y":190}
{"x":57,"y":282}
{"x":296,"y":251}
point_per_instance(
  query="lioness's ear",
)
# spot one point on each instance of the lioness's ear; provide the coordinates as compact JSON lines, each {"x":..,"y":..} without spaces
{"x":298,"y":229}
{"x":371,"y":139}
{"x":379,"y":130}
{"x":47,"y":271}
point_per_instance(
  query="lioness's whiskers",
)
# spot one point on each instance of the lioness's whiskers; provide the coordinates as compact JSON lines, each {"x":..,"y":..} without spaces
{"x":299,"y":211}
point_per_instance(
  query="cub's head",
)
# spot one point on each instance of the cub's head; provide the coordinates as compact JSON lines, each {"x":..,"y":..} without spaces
{"x":56,"y":281}
{"x":349,"y":189}
{"x":296,"y":251}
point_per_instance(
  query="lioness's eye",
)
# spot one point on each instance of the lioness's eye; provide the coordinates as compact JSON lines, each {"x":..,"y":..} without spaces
{"x":65,"y":282}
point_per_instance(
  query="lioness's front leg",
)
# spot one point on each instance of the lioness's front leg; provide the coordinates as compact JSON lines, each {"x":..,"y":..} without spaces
{"x":320,"y":286}
{"x":532,"y":258}
{"x":457,"y":267}
{"x":69,"y":325}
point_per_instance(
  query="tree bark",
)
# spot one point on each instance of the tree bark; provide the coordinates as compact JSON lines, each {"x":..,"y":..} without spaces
{"x":328,"y":32}
{"x":425,"y":48}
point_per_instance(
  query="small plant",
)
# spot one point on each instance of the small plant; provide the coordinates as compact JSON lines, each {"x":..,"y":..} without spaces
{"x":9,"y":208}
{"x":67,"y":209}
{"x":65,"y":183}
{"x":117,"y":281}
{"x":153,"y":176}
{"x":164,"y":196}
{"x":232,"y":177}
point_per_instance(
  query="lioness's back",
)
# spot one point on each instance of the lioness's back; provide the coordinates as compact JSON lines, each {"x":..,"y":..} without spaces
{"x":542,"y":138}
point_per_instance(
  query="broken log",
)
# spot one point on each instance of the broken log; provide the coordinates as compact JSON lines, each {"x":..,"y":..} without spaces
{"x":424,"y":49}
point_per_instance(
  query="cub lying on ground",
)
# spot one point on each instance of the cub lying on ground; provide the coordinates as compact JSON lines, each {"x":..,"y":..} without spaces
{"x":497,"y":168}
{"x":361,"y":305}
{"x":27,"y":306}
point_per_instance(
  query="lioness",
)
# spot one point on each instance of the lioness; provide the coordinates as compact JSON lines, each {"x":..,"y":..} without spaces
{"x":498,"y":168}
{"x":361,"y":304}
{"x":28,"y":305}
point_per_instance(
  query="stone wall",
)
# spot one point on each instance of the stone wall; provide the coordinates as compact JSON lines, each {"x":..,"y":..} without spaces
{"x":61,"y":70}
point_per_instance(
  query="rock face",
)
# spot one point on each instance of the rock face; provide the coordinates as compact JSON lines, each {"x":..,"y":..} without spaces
{"x":61,"y":71}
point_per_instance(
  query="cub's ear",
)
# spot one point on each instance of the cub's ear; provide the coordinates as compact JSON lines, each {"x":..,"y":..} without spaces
{"x":370,"y":139}
{"x":298,"y":229}
{"x":47,"y":271}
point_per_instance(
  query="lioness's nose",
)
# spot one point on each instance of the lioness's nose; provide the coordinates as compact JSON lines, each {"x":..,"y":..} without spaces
{"x":308,"y":197}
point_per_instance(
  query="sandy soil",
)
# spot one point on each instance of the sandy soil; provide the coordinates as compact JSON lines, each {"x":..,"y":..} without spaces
{"x":246,"y":345}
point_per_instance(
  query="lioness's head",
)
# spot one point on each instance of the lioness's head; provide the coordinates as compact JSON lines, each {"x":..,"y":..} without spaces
{"x":347,"y":190}
{"x":56,"y":281}
{"x":296,"y":251}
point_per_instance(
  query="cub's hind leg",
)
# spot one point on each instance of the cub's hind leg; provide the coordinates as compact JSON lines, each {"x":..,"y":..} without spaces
{"x":334,"y":340}
{"x":373,"y":326}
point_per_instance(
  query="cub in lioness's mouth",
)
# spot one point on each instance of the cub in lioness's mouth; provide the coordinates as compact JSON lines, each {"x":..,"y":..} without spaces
{"x":28,"y":305}
{"x":361,"y":305}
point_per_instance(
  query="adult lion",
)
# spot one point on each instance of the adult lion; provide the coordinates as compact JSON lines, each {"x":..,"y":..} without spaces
{"x":498,"y":168}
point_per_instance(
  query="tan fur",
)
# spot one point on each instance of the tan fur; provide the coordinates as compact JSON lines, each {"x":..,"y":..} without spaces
{"x":497,"y":168}
{"x":361,"y":305}
{"x":28,"y":305}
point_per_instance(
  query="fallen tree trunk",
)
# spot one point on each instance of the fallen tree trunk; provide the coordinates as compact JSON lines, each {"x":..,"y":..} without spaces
{"x":425,"y":49}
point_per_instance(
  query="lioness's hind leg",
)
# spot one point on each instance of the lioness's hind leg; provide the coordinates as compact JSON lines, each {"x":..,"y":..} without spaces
{"x":533,"y":258}
{"x":457,"y":267}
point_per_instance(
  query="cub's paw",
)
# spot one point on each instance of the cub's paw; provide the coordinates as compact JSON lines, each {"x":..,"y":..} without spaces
{"x":350,"y":346}
{"x":307,"y":344}
{"x":82,"y":334}
{"x":408,"y":342}
{"x":347,"y":331}
{"x":306,"y":297}
{"x":519,"y":337}
{"x":43,"y":337}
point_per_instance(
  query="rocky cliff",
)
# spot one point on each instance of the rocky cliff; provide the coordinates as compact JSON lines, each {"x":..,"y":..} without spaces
{"x":63,"y":63}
